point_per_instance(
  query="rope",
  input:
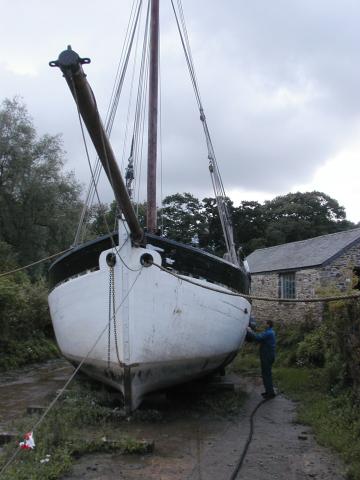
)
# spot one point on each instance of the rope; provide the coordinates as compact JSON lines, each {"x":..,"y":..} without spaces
{"x":263,"y":299}
{"x":34,"y":263}
{"x":72,"y":376}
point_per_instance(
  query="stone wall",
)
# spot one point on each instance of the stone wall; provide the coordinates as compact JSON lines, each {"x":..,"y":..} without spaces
{"x":267,"y":285}
{"x":336,"y":276}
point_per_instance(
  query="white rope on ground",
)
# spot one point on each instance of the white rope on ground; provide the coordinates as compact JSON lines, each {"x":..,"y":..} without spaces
{"x":67,"y":383}
{"x":34,"y":263}
{"x":264,"y":299}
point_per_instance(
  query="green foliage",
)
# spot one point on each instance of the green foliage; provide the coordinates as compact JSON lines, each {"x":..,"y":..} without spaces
{"x":39,"y":209}
{"x":26,"y":332}
{"x":76,"y":426}
{"x":246,"y":362}
{"x":182,"y":217}
{"x":311,"y":350}
{"x":318,"y":366}
{"x":39,"y":204}
{"x":334,"y":416}
{"x":334,"y":345}
{"x":343,"y":343}
{"x":86,"y":420}
{"x":101,"y":218}
{"x":288,"y":218}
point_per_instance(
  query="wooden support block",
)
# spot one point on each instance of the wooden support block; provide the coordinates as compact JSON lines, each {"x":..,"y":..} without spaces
{"x":222,"y":385}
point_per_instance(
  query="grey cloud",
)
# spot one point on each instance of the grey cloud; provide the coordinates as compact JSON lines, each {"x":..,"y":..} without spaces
{"x":247,"y":54}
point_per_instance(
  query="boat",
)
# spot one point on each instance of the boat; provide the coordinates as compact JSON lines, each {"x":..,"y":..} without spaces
{"x":134,"y":309}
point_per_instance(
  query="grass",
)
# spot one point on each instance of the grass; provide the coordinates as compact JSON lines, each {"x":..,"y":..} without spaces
{"x":333,"y":414}
{"x":34,"y":350}
{"x":87,"y":421}
{"x":335,"y":418}
{"x":82,"y":423}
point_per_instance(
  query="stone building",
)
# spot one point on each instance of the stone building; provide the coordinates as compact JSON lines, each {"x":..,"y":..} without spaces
{"x":323,"y":265}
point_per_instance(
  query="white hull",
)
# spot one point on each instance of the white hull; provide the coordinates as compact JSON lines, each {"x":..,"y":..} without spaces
{"x":168,"y":331}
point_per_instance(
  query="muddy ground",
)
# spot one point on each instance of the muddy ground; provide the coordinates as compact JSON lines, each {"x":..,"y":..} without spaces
{"x":191,"y":441}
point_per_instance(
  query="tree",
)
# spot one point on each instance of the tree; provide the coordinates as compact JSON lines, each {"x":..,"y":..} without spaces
{"x":298,"y":216}
{"x":102,"y":219}
{"x":211,"y":237}
{"x":249,"y":226}
{"x":287,"y":218}
{"x":182,"y":217}
{"x":39,"y":204}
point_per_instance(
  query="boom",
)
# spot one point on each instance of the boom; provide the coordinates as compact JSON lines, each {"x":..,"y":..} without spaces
{"x":70,"y":64}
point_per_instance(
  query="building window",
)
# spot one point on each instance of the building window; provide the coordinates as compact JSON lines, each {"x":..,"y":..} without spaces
{"x":356,"y":278}
{"x":287,"y":285}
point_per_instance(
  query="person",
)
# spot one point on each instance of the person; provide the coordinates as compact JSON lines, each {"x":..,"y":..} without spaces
{"x":267,"y":342}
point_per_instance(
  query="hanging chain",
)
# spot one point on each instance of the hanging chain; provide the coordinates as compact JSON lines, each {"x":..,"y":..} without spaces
{"x":112,"y":304}
{"x":109,"y":322}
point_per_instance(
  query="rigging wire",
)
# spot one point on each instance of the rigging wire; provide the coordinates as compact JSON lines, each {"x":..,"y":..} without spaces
{"x":140,"y":101}
{"x":141,"y":108}
{"x":161,"y":146}
{"x":121,"y":79}
{"x":141,"y":133}
{"x":130,"y":101}
{"x":118,"y":84}
{"x":97,"y":165}
{"x":19,"y":269}
{"x":111,"y":235}
{"x":213,"y":166}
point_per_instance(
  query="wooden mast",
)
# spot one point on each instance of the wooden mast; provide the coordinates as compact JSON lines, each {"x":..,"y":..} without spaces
{"x":153,"y":117}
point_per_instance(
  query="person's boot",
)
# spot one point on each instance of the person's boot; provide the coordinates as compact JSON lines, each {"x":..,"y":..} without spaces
{"x":269,"y":395}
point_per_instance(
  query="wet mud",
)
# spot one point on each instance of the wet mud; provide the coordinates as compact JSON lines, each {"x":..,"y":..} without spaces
{"x":30,"y":386}
{"x":193,"y":440}
{"x":208,"y":447}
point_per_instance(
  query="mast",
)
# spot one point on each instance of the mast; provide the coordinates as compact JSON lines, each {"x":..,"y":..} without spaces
{"x":153,"y":117}
{"x":71,"y":66}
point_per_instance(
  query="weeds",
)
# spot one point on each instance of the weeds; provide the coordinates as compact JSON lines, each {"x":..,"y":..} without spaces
{"x":78,"y":425}
{"x":318,"y":365}
{"x":334,"y":416}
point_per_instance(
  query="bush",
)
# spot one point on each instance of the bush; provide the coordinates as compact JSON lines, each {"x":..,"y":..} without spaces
{"x":25,"y":325}
{"x":311,"y":351}
{"x":343,"y":345}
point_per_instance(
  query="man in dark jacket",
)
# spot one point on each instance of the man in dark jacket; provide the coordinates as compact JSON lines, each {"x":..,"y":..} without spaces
{"x":267,"y":356}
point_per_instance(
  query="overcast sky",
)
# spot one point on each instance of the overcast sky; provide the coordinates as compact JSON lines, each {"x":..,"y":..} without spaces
{"x":280,"y":83}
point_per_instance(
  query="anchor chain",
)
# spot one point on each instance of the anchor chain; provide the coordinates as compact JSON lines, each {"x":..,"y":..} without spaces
{"x":111,"y":275}
{"x":112,"y":316}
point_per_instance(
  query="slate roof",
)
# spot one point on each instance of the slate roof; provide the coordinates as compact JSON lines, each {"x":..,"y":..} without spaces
{"x":304,"y":254}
